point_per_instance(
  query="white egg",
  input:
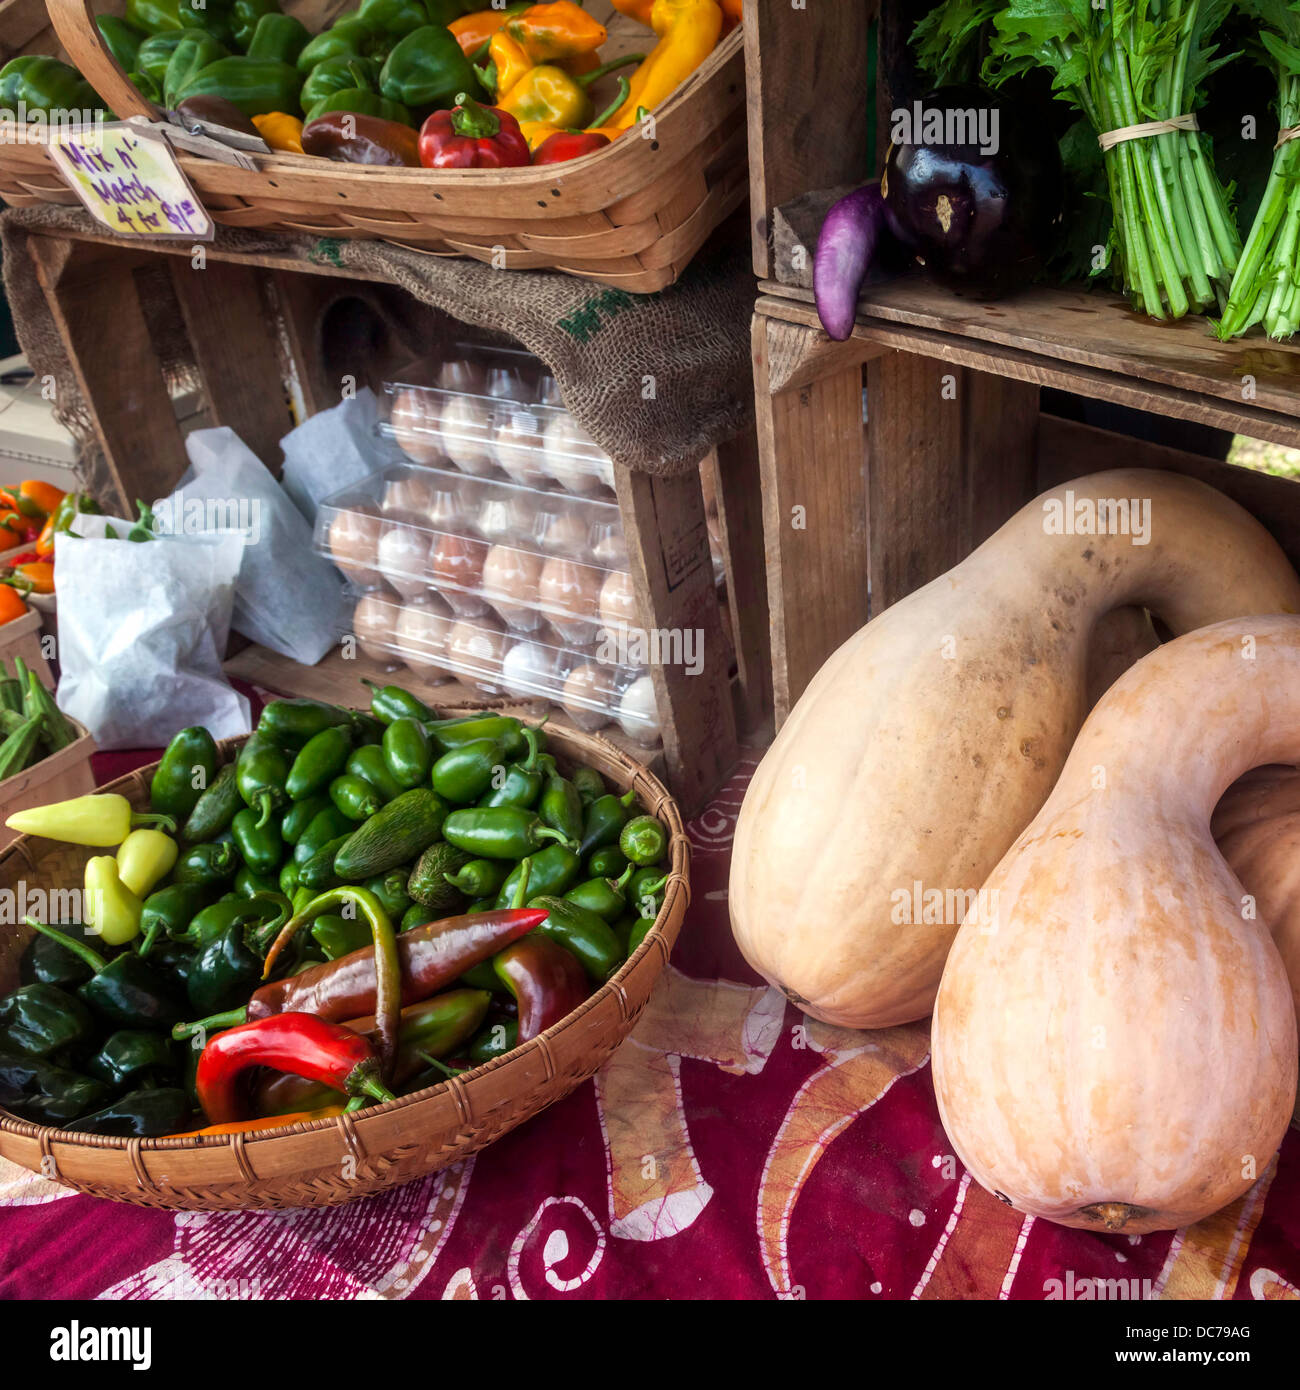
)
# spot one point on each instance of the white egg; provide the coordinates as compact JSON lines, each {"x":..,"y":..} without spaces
{"x":528,"y":669}
{"x":574,"y":459}
{"x":517,"y":448}
{"x":421,"y":635}
{"x":466,"y":429}
{"x":588,"y":697}
{"x":638,"y":711}
{"x":404,"y":559}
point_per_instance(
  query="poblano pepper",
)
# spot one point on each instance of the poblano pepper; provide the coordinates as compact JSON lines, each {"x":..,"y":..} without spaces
{"x":46,"y":962}
{"x":44,"y":1093}
{"x":43,"y":1019}
{"x":125,"y":991}
{"x":133,"y":1056}
{"x":139,"y":1114}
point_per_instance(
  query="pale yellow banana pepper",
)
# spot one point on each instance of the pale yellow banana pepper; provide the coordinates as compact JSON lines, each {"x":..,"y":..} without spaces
{"x":688,"y":32}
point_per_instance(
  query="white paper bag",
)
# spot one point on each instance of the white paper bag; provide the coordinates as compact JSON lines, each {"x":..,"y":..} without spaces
{"x":142,"y":633}
{"x":334,"y":449}
{"x":288,"y":598}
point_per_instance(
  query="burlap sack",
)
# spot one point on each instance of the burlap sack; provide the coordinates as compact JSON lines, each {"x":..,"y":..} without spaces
{"x":657,"y":380}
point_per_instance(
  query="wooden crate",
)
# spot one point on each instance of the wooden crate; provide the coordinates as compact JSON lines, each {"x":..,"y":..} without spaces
{"x":64,"y":774}
{"x":254,"y":322}
{"x":22,"y":637}
{"x":887,"y":458}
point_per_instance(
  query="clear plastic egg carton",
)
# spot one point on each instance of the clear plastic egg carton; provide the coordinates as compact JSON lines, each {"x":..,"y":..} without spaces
{"x":537,"y":668}
{"x":485,"y":547}
{"x":492,"y":413}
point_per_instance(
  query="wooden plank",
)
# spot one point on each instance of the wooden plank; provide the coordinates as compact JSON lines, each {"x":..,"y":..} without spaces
{"x":96,"y":307}
{"x":999,"y":452}
{"x":737,"y":483}
{"x":1195,"y":387}
{"x":234,"y":348}
{"x":797,"y":142}
{"x":667,"y":543}
{"x":811,"y":458}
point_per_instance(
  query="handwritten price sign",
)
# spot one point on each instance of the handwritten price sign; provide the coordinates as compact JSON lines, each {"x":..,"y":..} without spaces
{"x":130,"y":182}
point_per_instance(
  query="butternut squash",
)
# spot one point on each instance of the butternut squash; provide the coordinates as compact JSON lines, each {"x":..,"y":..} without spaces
{"x":1117,"y":1049}
{"x":928,"y":741}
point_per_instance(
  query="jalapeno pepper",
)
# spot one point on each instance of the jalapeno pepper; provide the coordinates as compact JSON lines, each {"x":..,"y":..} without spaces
{"x":301,"y":814}
{"x":408,"y":753}
{"x":327,"y":825}
{"x":132,"y":1056}
{"x":209,"y":923}
{"x":606,"y":897}
{"x":370,"y":764}
{"x":561,"y":807}
{"x":505,"y":728}
{"x":169,"y":911}
{"x":494,"y":1041}
{"x":428,"y":882}
{"x":404,"y":828}
{"x":339,"y":936}
{"x":608,"y":862}
{"x":290,"y":879}
{"x":187,"y":769}
{"x":640,"y":928}
{"x":464,"y":774}
{"x":417,"y":915}
{"x":645,"y":892}
{"x":390,"y":889}
{"x":45,"y":1093}
{"x":260,"y":844}
{"x":215,"y":808}
{"x":498,"y":832}
{"x":46,"y":962}
{"x":125,"y":991}
{"x":249,"y":882}
{"x":292,"y":723}
{"x":320,"y":872}
{"x":483,"y":976}
{"x":520,"y":784}
{"x":207,"y":864}
{"x":604,"y":820}
{"x":392,"y":702}
{"x":261,"y":771}
{"x":576,"y":929}
{"x":553,"y":871}
{"x":355,"y":797}
{"x":644,"y":840}
{"x":139,"y":1114}
{"x":43,"y":1019}
{"x":546,"y":980}
{"x":319,"y":762}
{"x":481,"y":878}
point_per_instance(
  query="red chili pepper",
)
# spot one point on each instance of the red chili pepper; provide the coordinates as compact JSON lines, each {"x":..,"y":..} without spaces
{"x":297,"y":1043}
{"x":569,"y":144}
{"x":431,"y":957}
{"x":546,"y":980}
{"x":472,"y":136}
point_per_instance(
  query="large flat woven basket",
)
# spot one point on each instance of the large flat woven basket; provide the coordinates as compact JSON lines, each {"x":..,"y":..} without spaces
{"x":329,"y":1162}
{"x":631,"y":215}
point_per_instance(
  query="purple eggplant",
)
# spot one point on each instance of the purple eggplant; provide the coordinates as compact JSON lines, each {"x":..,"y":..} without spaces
{"x":846,"y":248}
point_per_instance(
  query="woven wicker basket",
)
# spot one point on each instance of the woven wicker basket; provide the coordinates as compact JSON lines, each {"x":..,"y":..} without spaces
{"x":333,"y":1161}
{"x":631,"y":215}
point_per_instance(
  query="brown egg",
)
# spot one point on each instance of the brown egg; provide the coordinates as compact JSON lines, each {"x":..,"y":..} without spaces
{"x":618,"y":601}
{"x":404,"y":559}
{"x":456,"y":571}
{"x":414,"y":422}
{"x":374,"y":621}
{"x":466,"y":427}
{"x":517,"y":447}
{"x":421,"y":634}
{"x":406,"y":497}
{"x":475,"y":650}
{"x":588,"y":696}
{"x":510,"y":384}
{"x":511,"y":580}
{"x":570,"y":592}
{"x":354,"y":543}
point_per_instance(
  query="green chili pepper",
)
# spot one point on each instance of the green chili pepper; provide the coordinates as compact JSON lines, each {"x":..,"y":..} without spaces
{"x":520,"y":784}
{"x":132,"y":1056}
{"x":248,"y":882}
{"x":262,"y":769}
{"x":429,"y":881}
{"x":301,"y":814}
{"x":257,"y":86}
{"x":139,"y":1114}
{"x":498,"y":832}
{"x":608,"y":862}
{"x":392,"y":702}
{"x":644,"y":840}
{"x":645,"y":892}
{"x":605,"y":818}
{"x":415,"y":916}
{"x":590,"y":784}
{"x":341,"y":74}
{"x":278,"y":36}
{"x":361,"y":102}
{"x":340,"y":936}
{"x":207,"y":864}
{"x":122,"y":40}
{"x":465,"y":773}
{"x":637,"y":935}
{"x":561,"y":807}
{"x":224,"y":973}
{"x":403,"y":829}
{"x":215,"y":808}
{"x":290,"y":879}
{"x":195,"y":52}
{"x":219,"y":917}
{"x":188,"y":768}
{"x":320,"y":871}
{"x":125,"y":991}
{"x":408,"y":754}
{"x":46,"y":962}
{"x":390,"y":889}
{"x":261,"y":845}
{"x":483,"y":976}
{"x":169,"y":911}
{"x":505,"y":728}
{"x":245,"y":15}
{"x":355,"y":797}
{"x":603,"y":896}
{"x":480,"y":878}
{"x":554,"y":870}
{"x":319,"y":762}
{"x":370,"y":765}
{"x":583,"y":933}
{"x":328,"y":825}
{"x":42,"y":1019}
{"x":292,"y":722}
{"x":45,"y":1093}
{"x":495,"y":1040}
{"x":428,"y":71}
{"x":302,"y":896}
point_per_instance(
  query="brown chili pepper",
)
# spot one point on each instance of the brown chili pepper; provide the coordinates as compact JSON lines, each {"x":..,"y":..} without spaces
{"x":352,"y":138}
{"x":546,"y":980}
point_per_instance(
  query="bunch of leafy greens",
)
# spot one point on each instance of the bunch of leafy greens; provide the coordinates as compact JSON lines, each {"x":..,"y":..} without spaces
{"x":950,"y":43}
{"x":1266,"y":287}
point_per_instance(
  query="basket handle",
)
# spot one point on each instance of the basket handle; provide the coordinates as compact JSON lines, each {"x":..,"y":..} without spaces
{"x":74,"y":23}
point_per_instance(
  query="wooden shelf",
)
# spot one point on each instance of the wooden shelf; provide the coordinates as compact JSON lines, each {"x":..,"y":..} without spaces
{"x":1090,"y":343}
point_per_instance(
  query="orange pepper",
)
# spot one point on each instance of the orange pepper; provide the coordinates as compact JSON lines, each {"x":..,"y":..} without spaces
{"x":266,"y":1122}
{"x":45,"y":541}
{"x":472,"y":31}
{"x":11,"y":605}
{"x":45,"y":495}
{"x":635,"y":9}
{"x":35,"y":577}
{"x":9,"y":538}
{"x":558,"y":30}
{"x":732,"y":11}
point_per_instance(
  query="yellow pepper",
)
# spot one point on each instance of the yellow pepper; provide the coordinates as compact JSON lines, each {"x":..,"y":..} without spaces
{"x":281,"y":131}
{"x":472,"y":31}
{"x":509,"y":63}
{"x":688,"y":32}
{"x":110,"y":906}
{"x":558,"y":30}
{"x":99,"y":818}
{"x":547,"y":94}
{"x":144,"y":859}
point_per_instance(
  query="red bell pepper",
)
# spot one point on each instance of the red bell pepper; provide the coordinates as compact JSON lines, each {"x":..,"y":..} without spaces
{"x":299,"y":1043}
{"x":472,"y":136}
{"x":569,"y":144}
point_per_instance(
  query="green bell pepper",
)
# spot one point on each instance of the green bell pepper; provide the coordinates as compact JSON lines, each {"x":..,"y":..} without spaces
{"x":278,"y":36}
{"x":156,"y":52}
{"x":194,"y":53}
{"x":257,"y":86}
{"x":245,"y":14}
{"x":339,"y":75}
{"x":155,"y":16}
{"x":45,"y":84}
{"x":122,"y":40}
{"x":347,"y":37}
{"x":427,"y":71}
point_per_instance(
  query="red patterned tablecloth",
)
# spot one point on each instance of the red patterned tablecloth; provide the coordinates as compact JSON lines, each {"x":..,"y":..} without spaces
{"x":731,"y":1149}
